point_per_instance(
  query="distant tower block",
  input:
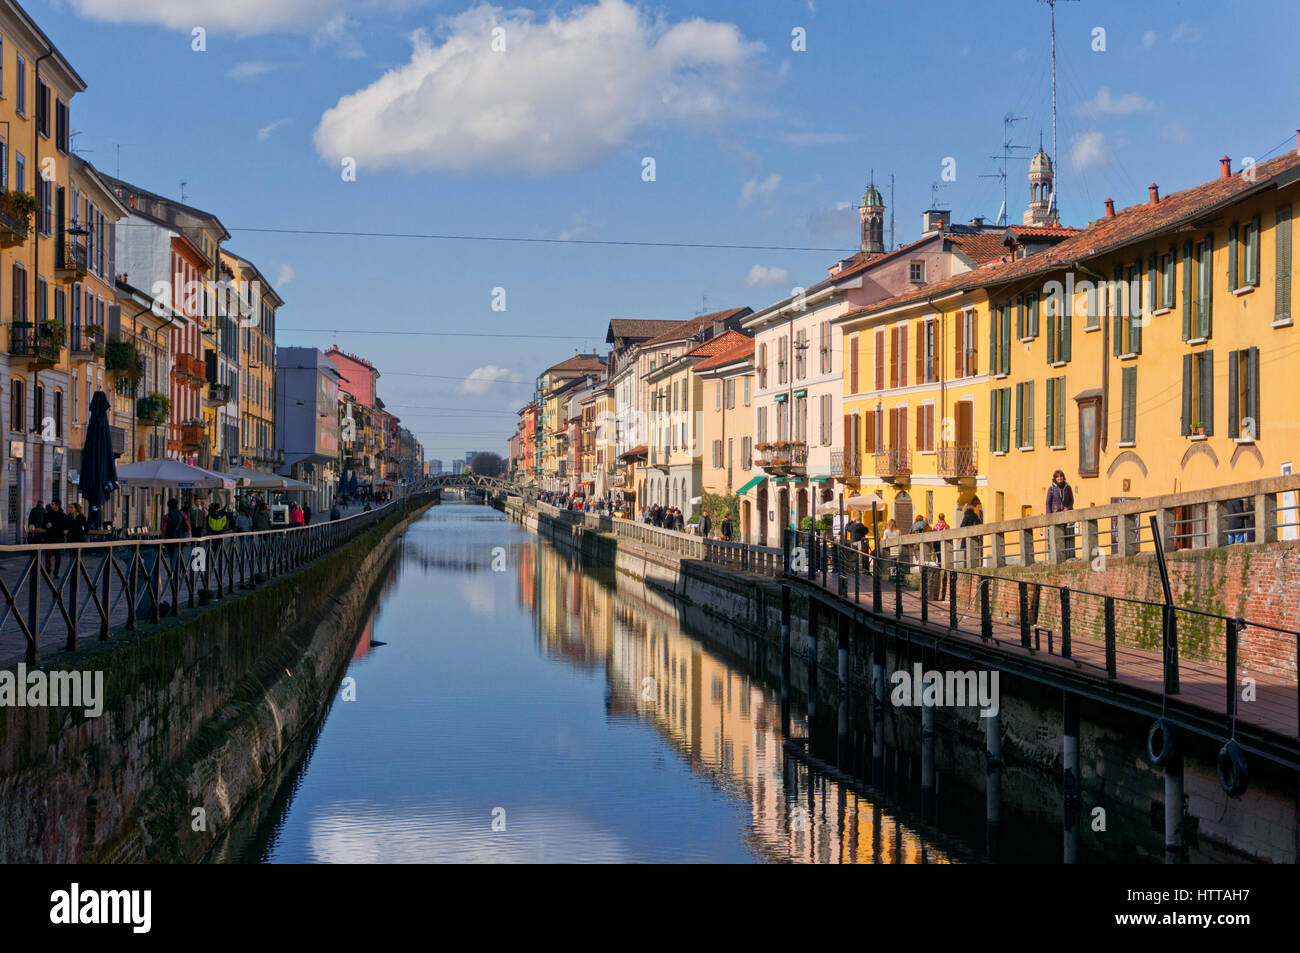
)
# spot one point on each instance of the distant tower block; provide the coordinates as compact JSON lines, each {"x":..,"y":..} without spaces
{"x":872,"y":211}
{"x":1042,"y":200}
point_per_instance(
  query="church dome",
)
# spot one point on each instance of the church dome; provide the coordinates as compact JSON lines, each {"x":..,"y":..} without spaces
{"x":871,"y":198}
{"x":1041,"y":162}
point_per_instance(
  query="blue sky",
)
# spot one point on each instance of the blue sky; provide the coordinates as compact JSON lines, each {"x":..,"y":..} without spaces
{"x":754,"y":143}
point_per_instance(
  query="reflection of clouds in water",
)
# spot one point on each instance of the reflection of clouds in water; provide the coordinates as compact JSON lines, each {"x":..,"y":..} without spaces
{"x":482,"y":594}
{"x":368,"y":833}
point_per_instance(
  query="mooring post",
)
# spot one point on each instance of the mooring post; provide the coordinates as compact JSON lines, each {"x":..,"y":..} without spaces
{"x":785,"y":661}
{"x":993,"y":780}
{"x":927,"y":749}
{"x":1070,"y":776}
{"x":878,"y":708}
{"x":842,"y":756}
{"x":811,"y":660}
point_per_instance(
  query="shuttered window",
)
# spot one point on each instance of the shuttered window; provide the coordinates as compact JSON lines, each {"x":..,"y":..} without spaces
{"x":1198,"y":392}
{"x":925,"y":428}
{"x":1128,"y":405}
{"x":902,"y":356}
{"x":1243,"y":393}
{"x":1204,"y":286}
{"x":1167,"y":280}
{"x":1000,"y":419}
{"x":1056,"y":412}
{"x":1025,"y":415}
{"x":1032,"y":309}
{"x":880,"y":360}
{"x":1282,"y":282}
{"x":853,"y":365}
{"x":872,"y":423}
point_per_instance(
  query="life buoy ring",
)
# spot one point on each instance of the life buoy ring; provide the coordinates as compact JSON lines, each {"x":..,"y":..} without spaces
{"x":1233,"y":773}
{"x":1162,"y":741}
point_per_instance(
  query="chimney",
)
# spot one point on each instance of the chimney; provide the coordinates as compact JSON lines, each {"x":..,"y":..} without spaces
{"x":1155,"y":193}
{"x":934,"y":220}
{"x":1297,"y":140}
{"x":977,"y":221}
{"x":1110,"y":208}
{"x":1225,"y":168}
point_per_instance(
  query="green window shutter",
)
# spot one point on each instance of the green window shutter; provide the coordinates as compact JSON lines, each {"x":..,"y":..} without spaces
{"x":1051,"y":340}
{"x":1187,"y":394}
{"x":1006,"y":338}
{"x":1252,"y":390}
{"x":1128,"y":391}
{"x":993,"y":341}
{"x":1020,"y":316}
{"x":1153,"y":284}
{"x":1187,"y":291}
{"x":1252,"y":253}
{"x":1066,"y":321}
{"x":1034,"y":308}
{"x":1135,"y":317}
{"x":1020,"y":415}
{"x":1060,"y":411}
{"x":1117,"y":321}
{"x":1207,"y":391}
{"x":1029,"y":414}
{"x":1232,"y":257}
{"x":1051,"y":413}
{"x":1282,"y":269}
{"x":993,"y":420}
{"x":1233,"y":409}
{"x":1006,"y":415}
{"x":1207,"y":291}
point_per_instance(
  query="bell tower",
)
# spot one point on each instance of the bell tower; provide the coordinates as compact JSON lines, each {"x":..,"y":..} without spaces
{"x":1042,"y":191}
{"x":872,"y":214}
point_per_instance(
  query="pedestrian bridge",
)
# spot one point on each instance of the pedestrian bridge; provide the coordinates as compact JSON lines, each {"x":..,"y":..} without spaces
{"x":475,"y":481}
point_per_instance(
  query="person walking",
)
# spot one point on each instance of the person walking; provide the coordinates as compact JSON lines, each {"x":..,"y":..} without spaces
{"x":919,"y":525}
{"x":724,"y":528}
{"x":706,"y":525}
{"x":36,"y":523}
{"x":295,"y":514}
{"x":1060,"y":499}
{"x":56,"y":528}
{"x":77,"y":524}
{"x":941,"y":523}
{"x":972,"y":516}
{"x":198,"y":518}
{"x":306,"y":514}
{"x":243,"y":518}
{"x":262,"y":516}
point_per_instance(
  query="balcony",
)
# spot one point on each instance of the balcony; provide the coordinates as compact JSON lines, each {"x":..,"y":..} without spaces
{"x":957,"y":462}
{"x":186,"y":366}
{"x":86,"y":343}
{"x":216,"y":395}
{"x":13,"y":226}
{"x":38,"y":348}
{"x":191,"y":436}
{"x":74,"y":262}
{"x":783,"y":457}
{"x":894,"y":465}
{"x":845,"y":464}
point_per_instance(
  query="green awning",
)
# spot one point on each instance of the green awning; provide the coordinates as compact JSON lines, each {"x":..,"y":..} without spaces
{"x":750,"y":485}
{"x":818,"y":479}
{"x":780,"y":397}
{"x":801,"y":393}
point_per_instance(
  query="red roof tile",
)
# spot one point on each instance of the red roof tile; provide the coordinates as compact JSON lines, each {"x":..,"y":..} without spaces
{"x":637,"y":328}
{"x":578,"y":363}
{"x":735,"y":347}
{"x":692,"y":326}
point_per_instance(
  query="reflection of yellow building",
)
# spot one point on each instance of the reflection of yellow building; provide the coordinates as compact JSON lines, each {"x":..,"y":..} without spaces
{"x":727,"y":429}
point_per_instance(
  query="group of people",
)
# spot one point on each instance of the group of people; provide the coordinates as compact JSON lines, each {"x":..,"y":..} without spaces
{"x":49,"y":523}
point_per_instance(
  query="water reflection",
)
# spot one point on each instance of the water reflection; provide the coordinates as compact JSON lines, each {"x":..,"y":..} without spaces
{"x":572,"y":702}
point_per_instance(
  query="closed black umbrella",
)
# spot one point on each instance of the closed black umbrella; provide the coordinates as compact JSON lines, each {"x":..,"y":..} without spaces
{"x":98,"y":469}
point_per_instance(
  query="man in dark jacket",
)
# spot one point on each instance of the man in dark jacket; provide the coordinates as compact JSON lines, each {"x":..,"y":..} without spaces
{"x":36,"y":523}
{"x":56,"y":528}
{"x":724,"y":528}
{"x":706,"y":525}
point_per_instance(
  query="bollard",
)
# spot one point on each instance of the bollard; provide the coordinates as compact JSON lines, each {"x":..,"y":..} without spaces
{"x":993,"y":781}
{"x":1070,"y":781}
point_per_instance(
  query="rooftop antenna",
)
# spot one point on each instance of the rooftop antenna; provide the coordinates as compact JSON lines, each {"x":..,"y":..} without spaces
{"x":183,"y":184}
{"x":1007,"y":147}
{"x":1056,"y":172}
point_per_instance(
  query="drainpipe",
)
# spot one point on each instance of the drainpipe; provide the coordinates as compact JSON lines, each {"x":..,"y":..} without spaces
{"x":36,"y":250}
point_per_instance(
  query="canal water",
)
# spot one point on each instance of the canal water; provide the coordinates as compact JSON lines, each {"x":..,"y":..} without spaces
{"x":523,"y":708}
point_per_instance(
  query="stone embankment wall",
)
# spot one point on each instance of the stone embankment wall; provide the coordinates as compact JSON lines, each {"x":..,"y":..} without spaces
{"x":198,"y":711}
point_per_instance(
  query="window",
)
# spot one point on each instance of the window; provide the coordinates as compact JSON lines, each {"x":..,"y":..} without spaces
{"x":1127,"y":335}
{"x":826,"y":419}
{"x":1058,"y":330}
{"x":1167,"y":280}
{"x":927,"y":352}
{"x":20,"y":172}
{"x":762,"y":365}
{"x":880,"y":360}
{"x":1089,"y":436}
{"x":729,"y":395}
{"x":61,"y":125}
{"x":801,"y":355}
{"x":898,"y":352}
{"x":1243,"y":255}
{"x":918,"y":271}
{"x":747,"y":391}
{"x":1000,"y":419}
{"x":45,"y":192}
{"x":898,"y":428}
{"x":1000,"y":340}
{"x":19,"y":286}
{"x":1198,"y":393}
{"x":1027,"y":316}
{"x":825,"y":347}
{"x":42,"y":108}
{"x":717,"y":394}
{"x":965,"y":355}
{"x":925,"y":428}
{"x":1056,"y":412}
{"x":1128,"y":406}
{"x":17,"y":404}
{"x":1025,"y":415}
{"x":20,"y":86}
{"x":1197,"y":289}
{"x":762,"y":425}
{"x":58,"y":414}
{"x":783,"y":345}
{"x":38,"y":407}
{"x":1243,"y":394}
{"x":853,"y":364}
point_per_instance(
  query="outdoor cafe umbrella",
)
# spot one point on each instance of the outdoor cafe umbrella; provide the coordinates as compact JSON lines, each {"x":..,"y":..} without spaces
{"x":160,"y":474}
{"x":98,"y":469}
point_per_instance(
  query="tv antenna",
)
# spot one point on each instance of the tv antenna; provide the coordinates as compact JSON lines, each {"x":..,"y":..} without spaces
{"x":184,"y":183}
{"x":1056,"y":171}
{"x":1007,"y":148}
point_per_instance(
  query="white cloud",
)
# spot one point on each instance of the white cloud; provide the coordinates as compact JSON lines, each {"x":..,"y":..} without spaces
{"x":1105,"y":104}
{"x":339,"y":33}
{"x":565,"y":91}
{"x":1088,"y":149}
{"x":761,"y":275}
{"x":481,"y":379}
{"x":816,"y":138}
{"x":285,"y":275}
{"x":250,"y":70}
{"x":1186,"y":32}
{"x":239,"y":16}
{"x":755,"y":189}
{"x":265,"y":132}
{"x":835,"y":225}
{"x":1148,"y":39}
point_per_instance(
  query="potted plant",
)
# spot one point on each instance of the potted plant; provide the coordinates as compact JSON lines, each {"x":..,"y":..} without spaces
{"x":54,"y":331}
{"x":1198,"y":429}
{"x":21,"y":206}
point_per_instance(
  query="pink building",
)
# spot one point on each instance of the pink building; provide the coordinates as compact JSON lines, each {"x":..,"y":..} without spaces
{"x":359,"y":376}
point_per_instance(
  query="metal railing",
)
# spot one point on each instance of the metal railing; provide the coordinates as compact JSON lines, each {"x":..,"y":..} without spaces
{"x":957,"y":460}
{"x":894,"y":461}
{"x":88,"y":589}
{"x":1187,"y":652}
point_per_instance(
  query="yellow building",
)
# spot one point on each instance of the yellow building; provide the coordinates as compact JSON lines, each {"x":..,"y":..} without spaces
{"x":727,"y":427}
{"x":36,"y":87}
{"x":254,"y":399}
{"x":1144,"y":355}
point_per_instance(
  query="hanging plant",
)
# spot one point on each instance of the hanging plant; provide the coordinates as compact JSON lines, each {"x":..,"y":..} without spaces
{"x":123,"y":360}
{"x":20,"y":205}
{"x":54,"y":331}
{"x":154,"y":409}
